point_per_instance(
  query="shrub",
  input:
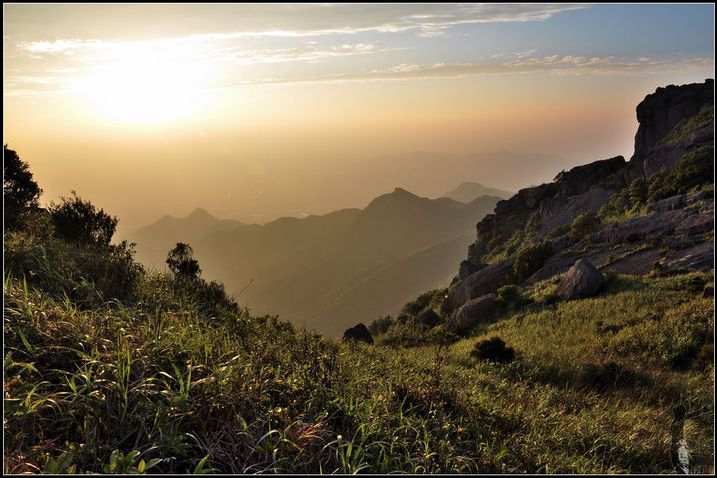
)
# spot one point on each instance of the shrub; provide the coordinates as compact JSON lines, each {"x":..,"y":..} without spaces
{"x":20,"y":192}
{"x":79,"y":222}
{"x":530,"y":259}
{"x":88,"y":276}
{"x":509,"y":297}
{"x":381,"y":325}
{"x":694,"y":169}
{"x":492,"y":350}
{"x":418,"y":304}
{"x":181,"y":262}
{"x":637,"y":192}
{"x":584,"y":225}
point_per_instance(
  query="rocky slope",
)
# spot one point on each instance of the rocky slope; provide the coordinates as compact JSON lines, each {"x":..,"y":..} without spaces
{"x":651,"y":214}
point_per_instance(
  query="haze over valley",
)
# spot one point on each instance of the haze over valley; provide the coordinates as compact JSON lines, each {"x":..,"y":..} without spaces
{"x":358,"y":238}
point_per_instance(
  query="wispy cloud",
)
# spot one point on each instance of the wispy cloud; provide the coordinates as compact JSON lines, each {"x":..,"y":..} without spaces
{"x":552,"y":64}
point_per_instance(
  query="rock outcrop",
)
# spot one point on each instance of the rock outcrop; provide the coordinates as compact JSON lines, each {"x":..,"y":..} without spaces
{"x":470,"y":314}
{"x":672,"y":233}
{"x":358,"y":332}
{"x":485,"y":281}
{"x":581,"y":280}
{"x":664,"y":109}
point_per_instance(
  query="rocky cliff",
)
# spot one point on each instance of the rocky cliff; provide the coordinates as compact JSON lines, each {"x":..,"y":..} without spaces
{"x":651,"y":214}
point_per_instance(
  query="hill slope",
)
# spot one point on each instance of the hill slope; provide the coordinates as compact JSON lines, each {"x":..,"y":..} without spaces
{"x":298,"y":267}
{"x":156,"y":239}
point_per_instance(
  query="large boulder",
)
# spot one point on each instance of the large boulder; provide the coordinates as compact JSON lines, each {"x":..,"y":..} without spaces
{"x":484,"y":281}
{"x":360,"y":333}
{"x":581,"y":280}
{"x":470,"y":314}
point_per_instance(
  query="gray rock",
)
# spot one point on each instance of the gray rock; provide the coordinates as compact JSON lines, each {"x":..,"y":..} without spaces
{"x":470,"y":314}
{"x":581,"y":280}
{"x":699,"y":257}
{"x":561,"y":211}
{"x":484,"y":281}
{"x":667,"y":204}
{"x":358,"y":332}
{"x":653,"y":226}
{"x":664,"y":109}
{"x":696,"y":224}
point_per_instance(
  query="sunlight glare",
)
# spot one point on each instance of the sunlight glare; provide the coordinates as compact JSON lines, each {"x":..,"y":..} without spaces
{"x":148,"y":88}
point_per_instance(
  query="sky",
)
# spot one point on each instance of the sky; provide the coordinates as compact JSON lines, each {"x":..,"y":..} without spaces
{"x":256,"y":111}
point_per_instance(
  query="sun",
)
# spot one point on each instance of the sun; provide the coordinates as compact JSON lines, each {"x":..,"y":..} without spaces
{"x":149,"y":89}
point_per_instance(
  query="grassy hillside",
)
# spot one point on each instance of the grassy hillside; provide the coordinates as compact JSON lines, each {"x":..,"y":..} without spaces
{"x":176,"y":376}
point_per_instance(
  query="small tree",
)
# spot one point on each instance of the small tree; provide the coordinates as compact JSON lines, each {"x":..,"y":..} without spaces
{"x":181,"y":262}
{"x":638,"y":191}
{"x":80,"y":222}
{"x":584,"y":225}
{"x":20,"y":192}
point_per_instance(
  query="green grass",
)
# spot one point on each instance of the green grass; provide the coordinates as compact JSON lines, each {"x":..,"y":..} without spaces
{"x":173,"y":379}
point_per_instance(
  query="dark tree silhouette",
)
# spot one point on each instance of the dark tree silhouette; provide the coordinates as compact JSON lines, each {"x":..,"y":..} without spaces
{"x":181,"y":262}
{"x":80,"y":222}
{"x":20,"y":192}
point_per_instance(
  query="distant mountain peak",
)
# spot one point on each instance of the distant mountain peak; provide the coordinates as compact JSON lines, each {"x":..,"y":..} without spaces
{"x":468,"y":191}
{"x":200,"y":213}
{"x":402,"y":192}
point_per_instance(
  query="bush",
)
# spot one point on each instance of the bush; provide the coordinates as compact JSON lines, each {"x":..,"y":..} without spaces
{"x":418,"y":304}
{"x":88,"y":276}
{"x":20,"y":192}
{"x":694,"y":169}
{"x":584,"y":225}
{"x":637,"y":192}
{"x":79,"y":222}
{"x":509,"y":297}
{"x":492,"y":350}
{"x":530,"y":259}
{"x":381,"y":325}
{"x":181,"y":262}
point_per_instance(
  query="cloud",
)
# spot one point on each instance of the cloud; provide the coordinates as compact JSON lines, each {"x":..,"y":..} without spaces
{"x":287,"y":20}
{"x":551,"y":64}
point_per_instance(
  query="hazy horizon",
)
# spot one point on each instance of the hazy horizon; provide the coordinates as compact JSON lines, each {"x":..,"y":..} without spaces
{"x":254,"y":112}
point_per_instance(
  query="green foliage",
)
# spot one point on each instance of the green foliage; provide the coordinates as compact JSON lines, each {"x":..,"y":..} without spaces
{"x":173,"y":377}
{"x":381,"y":325}
{"x":693,"y":170}
{"x":79,"y":222}
{"x":584,"y":225}
{"x":417,"y":305}
{"x":509,"y":297}
{"x":520,"y":239}
{"x":181,"y":262}
{"x":530,"y":259}
{"x":492,"y":350}
{"x":637,"y":191}
{"x":86,"y":275}
{"x":20,"y":192}
{"x":123,"y":464}
{"x":681,"y":132}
